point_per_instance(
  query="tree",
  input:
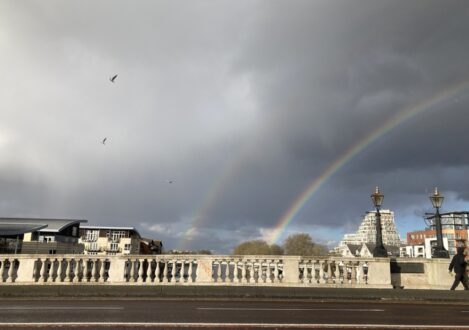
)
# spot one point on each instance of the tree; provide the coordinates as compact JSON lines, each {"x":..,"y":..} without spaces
{"x":257,"y":247}
{"x":302,"y":245}
{"x":276,"y":250}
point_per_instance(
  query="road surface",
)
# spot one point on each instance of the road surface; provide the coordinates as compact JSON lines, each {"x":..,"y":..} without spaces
{"x":233,"y":314}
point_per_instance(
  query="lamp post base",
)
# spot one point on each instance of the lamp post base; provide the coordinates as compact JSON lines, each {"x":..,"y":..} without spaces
{"x":380,"y":252}
{"x":440,"y":253}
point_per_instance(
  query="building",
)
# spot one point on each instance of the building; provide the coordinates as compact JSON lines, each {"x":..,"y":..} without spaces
{"x":107,"y":240}
{"x":367,"y":250}
{"x":40,"y":236}
{"x":366,"y":233}
{"x":455,"y":226}
{"x":413,"y":251}
{"x":150,"y":246}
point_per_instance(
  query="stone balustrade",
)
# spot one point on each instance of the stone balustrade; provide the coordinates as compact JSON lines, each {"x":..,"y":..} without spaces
{"x":224,"y":270}
{"x":195,"y":270}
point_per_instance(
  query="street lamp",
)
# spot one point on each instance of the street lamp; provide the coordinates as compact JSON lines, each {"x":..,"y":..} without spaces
{"x":439,"y":251}
{"x":379,"y":250}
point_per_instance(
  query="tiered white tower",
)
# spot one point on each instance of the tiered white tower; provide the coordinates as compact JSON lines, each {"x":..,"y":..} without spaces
{"x":366,"y":233}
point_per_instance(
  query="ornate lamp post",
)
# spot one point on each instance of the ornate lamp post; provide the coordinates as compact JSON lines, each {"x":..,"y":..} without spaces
{"x":439,"y":251}
{"x":379,"y":250}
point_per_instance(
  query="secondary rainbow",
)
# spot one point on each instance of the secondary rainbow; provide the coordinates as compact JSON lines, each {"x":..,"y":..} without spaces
{"x":230,"y":169}
{"x":403,"y":116}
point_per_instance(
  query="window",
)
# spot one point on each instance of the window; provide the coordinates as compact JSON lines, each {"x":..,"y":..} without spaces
{"x":127,"y":247}
{"x":91,"y":235}
{"x":113,"y":247}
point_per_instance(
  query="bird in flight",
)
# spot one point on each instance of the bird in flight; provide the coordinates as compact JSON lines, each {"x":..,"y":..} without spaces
{"x":104,"y":141}
{"x":170,"y":181}
{"x":113,"y":78}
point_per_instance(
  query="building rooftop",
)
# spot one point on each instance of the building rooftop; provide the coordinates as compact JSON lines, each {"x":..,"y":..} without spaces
{"x":26,"y":225}
{"x":13,"y":229}
{"x":111,"y":228}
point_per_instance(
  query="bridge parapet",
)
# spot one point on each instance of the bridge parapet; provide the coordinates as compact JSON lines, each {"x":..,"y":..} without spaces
{"x":211,"y":270}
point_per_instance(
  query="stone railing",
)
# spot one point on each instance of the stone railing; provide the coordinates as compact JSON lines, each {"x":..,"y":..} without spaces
{"x":196,"y":270}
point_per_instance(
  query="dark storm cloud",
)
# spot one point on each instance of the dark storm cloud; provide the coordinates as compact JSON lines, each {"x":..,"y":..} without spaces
{"x":253,"y":100}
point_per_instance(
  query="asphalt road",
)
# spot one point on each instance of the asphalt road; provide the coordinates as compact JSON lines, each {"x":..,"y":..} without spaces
{"x":240,"y":314}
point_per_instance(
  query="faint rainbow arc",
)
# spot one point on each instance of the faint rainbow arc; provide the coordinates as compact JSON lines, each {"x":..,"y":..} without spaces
{"x":213,"y":192}
{"x":336,"y":165}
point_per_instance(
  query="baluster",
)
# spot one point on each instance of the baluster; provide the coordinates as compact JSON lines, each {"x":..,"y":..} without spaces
{"x":329,"y":273}
{"x":160,"y":270}
{"x":214,"y":271}
{"x":236,"y":272}
{"x":256,"y":271}
{"x":151,"y":270}
{"x":308,"y":272}
{"x":230,"y":270}
{"x":86,"y":270}
{"x":68,"y":268}
{"x":44,"y":273}
{"x":77,"y":265}
{"x":341,"y":272}
{"x":219,"y":278}
{"x":276,"y":273}
{"x":270,"y":271}
{"x":141,"y":271}
{"x":195,"y":271}
{"x":95,"y":271}
{"x":167,"y":272}
{"x":244,"y":272}
{"x":189,"y":272}
{"x":157,"y":272}
{"x":356,"y":273}
{"x":365,"y":272}
{"x":173,"y":272}
{"x":300,"y":271}
{"x":232,"y":265}
{"x":58,"y":278}
{"x":11,"y":271}
{"x":321,"y":271}
{"x":349,"y":272}
{"x":102,"y":272}
{"x":2,"y":269}
{"x":132,"y":270}
{"x":263,"y":271}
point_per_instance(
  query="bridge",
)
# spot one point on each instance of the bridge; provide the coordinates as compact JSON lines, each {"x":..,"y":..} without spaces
{"x":225,"y":270}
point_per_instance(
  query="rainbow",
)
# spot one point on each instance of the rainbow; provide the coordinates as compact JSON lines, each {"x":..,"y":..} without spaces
{"x":229,"y":170}
{"x":403,"y":116}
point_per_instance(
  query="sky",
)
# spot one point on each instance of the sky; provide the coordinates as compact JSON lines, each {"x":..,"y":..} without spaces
{"x":225,"y":112}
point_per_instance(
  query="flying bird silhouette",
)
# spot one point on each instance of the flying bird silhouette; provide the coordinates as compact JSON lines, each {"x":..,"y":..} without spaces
{"x":113,"y":78}
{"x":104,"y":141}
{"x":170,"y":181}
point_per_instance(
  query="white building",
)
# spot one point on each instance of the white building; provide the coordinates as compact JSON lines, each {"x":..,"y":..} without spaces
{"x":106,"y":240}
{"x":366,"y":232}
{"x":422,"y":251}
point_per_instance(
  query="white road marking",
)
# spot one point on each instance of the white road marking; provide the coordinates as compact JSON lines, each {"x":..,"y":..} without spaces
{"x":58,"y":308}
{"x":228,"y":325}
{"x":290,"y":309}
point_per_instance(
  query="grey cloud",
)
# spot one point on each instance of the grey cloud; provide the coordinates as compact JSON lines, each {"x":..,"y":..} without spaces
{"x":258,"y":98}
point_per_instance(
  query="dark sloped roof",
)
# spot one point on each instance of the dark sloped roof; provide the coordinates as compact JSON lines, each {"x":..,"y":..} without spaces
{"x":12,"y":229}
{"x":393,"y":250}
{"x":51,"y":225}
{"x":353,"y":248}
